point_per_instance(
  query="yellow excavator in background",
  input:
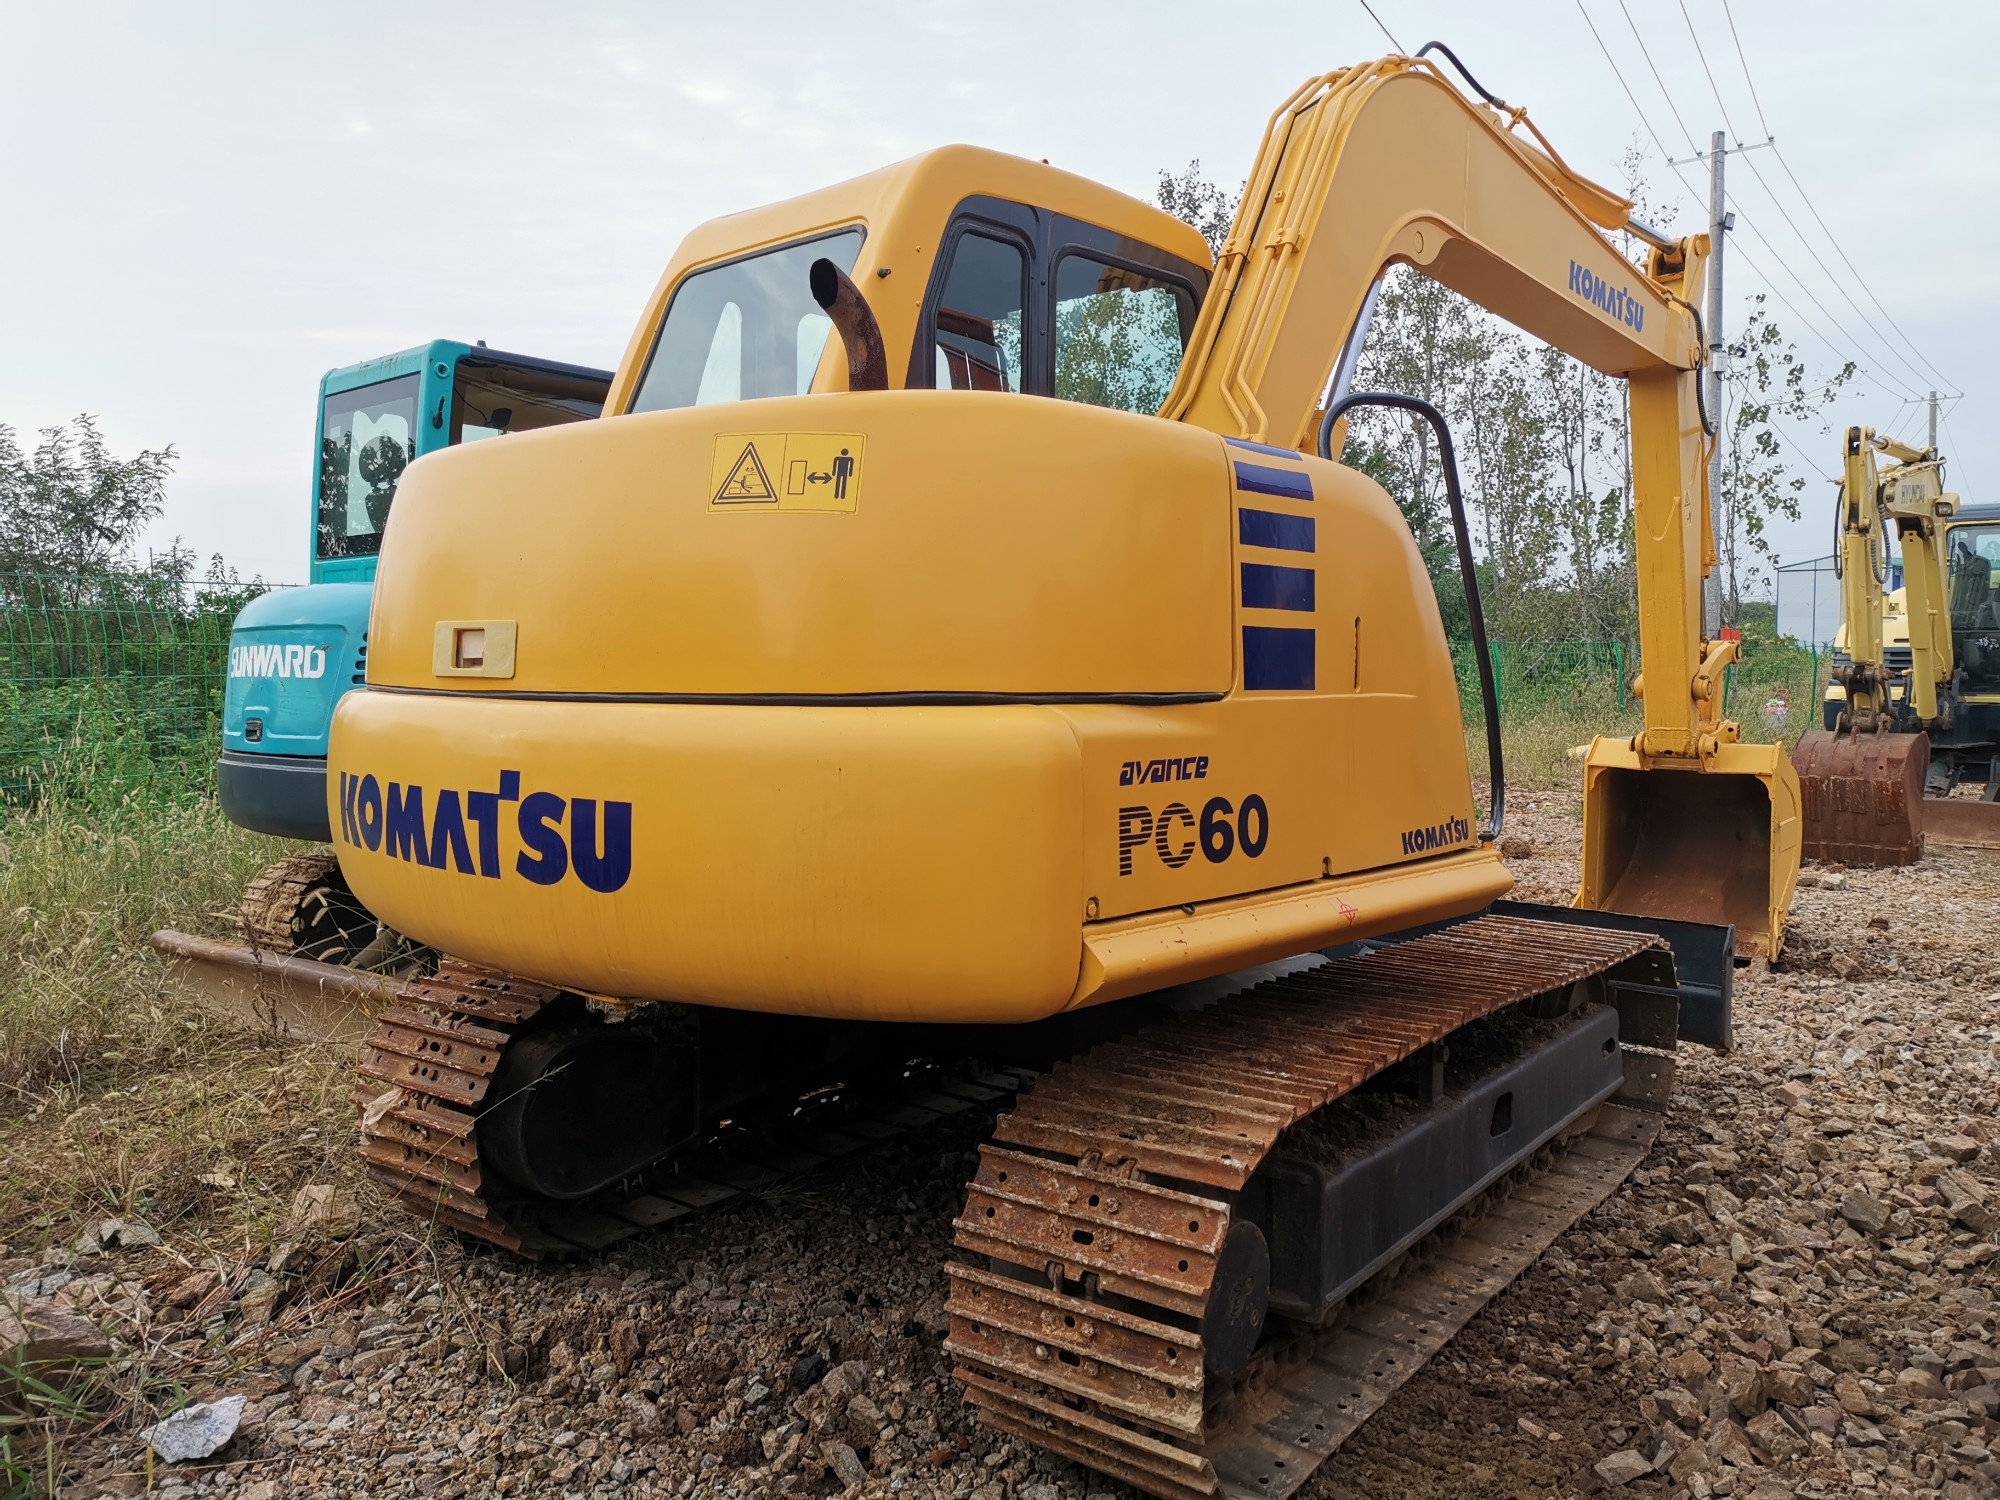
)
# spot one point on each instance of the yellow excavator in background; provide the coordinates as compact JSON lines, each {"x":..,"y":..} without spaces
{"x":835,"y":703}
{"x":1912,"y":722}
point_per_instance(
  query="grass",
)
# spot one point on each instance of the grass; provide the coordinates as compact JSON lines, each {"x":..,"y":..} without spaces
{"x":118,"y":1094}
{"x":120,"y":1097}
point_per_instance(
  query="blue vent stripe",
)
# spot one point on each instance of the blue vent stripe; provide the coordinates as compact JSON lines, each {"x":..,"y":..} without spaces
{"x":1268,"y":528}
{"x":1276,"y":659}
{"x":1265,"y":448}
{"x":1269,"y":587}
{"x":1262,"y":479}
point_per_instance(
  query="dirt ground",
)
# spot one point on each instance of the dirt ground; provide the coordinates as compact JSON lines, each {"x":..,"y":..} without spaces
{"x":1794,"y":1294}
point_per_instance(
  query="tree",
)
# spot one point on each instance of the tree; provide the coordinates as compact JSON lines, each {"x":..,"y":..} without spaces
{"x":74,"y":507}
{"x":1193,"y":199}
{"x":1765,"y":380}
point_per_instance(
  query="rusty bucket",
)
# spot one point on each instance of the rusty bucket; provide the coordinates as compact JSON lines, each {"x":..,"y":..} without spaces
{"x":1863,"y":796}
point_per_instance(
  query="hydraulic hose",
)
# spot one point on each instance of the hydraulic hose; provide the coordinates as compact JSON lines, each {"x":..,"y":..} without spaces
{"x":1489,"y":692}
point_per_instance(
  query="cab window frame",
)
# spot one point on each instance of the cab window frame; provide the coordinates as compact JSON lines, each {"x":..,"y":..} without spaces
{"x":810,"y":237}
{"x":1044,"y":236}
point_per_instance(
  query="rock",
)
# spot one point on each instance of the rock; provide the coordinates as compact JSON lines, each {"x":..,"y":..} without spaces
{"x":624,"y":1345}
{"x":845,"y":1463}
{"x":1683,"y":1229}
{"x":1513,"y":846}
{"x":1642,"y":1286}
{"x":1920,"y":1384}
{"x":258,"y":1298}
{"x":117,"y":1234}
{"x":1869,"y":1215}
{"x":1773,"y":1437}
{"x":325,"y":1207}
{"x":1622,"y":1468}
{"x":1959,"y":1186}
{"x":1958,"y":1148}
{"x":809,"y":1371}
{"x":1693,"y":1460}
{"x":195,"y":1431}
{"x":1853,"y":1397}
{"x":865,"y":1418}
{"x":1689,"y":1366}
{"x":42,"y":1339}
{"x":1742,"y":1385}
{"x":1789,"y":1386}
{"x":1789,"y":1094}
{"x":1727,"y":1442}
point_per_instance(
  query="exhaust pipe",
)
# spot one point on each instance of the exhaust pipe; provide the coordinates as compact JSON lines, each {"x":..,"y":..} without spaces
{"x":867,"y":359}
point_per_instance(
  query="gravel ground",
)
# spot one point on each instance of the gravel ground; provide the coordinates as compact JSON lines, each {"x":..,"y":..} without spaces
{"x":1793,"y":1295}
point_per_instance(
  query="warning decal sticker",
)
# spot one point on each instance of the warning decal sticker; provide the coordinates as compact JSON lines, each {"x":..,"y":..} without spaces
{"x":747,"y":481}
{"x":786,"y":471}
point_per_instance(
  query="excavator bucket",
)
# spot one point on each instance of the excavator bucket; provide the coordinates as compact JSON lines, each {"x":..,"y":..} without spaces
{"x":1863,"y":796}
{"x":1962,"y":822}
{"x":1717,"y":844}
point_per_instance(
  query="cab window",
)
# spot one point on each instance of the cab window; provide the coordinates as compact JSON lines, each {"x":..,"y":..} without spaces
{"x":1119,"y":334}
{"x":980,"y":314}
{"x":744,"y":330}
{"x":367,"y":437}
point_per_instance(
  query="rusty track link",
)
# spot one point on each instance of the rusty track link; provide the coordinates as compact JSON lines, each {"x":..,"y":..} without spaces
{"x":424,"y":1078}
{"x":1104,"y":1201}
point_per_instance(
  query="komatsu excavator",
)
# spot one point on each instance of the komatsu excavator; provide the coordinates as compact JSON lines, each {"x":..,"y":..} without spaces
{"x":835,"y":702}
{"x":1914,"y":723}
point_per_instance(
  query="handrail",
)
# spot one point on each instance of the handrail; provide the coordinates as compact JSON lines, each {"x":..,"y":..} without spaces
{"x":1489,"y":692}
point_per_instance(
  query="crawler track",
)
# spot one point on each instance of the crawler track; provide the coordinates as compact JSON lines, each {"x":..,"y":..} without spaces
{"x":272,"y":899}
{"x":426,"y":1072}
{"x":1097,"y":1219}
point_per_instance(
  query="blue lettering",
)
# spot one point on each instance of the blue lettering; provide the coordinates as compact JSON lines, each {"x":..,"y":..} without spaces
{"x":539,"y":822}
{"x":368,"y":809}
{"x":348,"y":829}
{"x":448,"y":828}
{"x":603,"y":871}
{"x":406,"y":824}
{"x":1170,"y":856}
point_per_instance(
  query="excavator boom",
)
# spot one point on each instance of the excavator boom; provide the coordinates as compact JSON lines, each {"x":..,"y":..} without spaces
{"x":1386,"y":163}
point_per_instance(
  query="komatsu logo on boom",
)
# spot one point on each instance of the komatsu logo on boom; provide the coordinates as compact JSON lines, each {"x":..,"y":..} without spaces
{"x":598,"y":845}
{"x":1621,"y":305}
{"x":277,"y":661}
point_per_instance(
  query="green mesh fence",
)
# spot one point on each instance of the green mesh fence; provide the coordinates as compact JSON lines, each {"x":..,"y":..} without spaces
{"x":1774,"y":695}
{"x":111,"y":686}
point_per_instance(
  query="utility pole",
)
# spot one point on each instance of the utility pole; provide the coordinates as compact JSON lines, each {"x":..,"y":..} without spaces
{"x":1932,"y":442}
{"x":1719,"y":220}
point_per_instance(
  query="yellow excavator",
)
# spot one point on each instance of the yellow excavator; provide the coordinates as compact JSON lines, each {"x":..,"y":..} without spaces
{"x":1910,"y":722}
{"x":836,"y":703}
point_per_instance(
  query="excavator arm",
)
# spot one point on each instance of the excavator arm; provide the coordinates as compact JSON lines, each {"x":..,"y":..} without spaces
{"x":1388,"y":163}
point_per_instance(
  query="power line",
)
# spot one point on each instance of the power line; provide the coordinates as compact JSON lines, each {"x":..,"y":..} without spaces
{"x":1748,"y":222}
{"x":1688,"y":188}
{"x":1811,"y":207}
{"x":1385,"y":30}
{"x":1727,"y":123}
{"x":1645,"y":53}
{"x":1762,"y":123}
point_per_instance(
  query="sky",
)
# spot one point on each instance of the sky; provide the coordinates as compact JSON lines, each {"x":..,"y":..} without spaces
{"x":209,"y":205}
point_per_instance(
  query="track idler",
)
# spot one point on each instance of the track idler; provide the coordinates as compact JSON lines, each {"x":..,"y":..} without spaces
{"x":1863,"y":796}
